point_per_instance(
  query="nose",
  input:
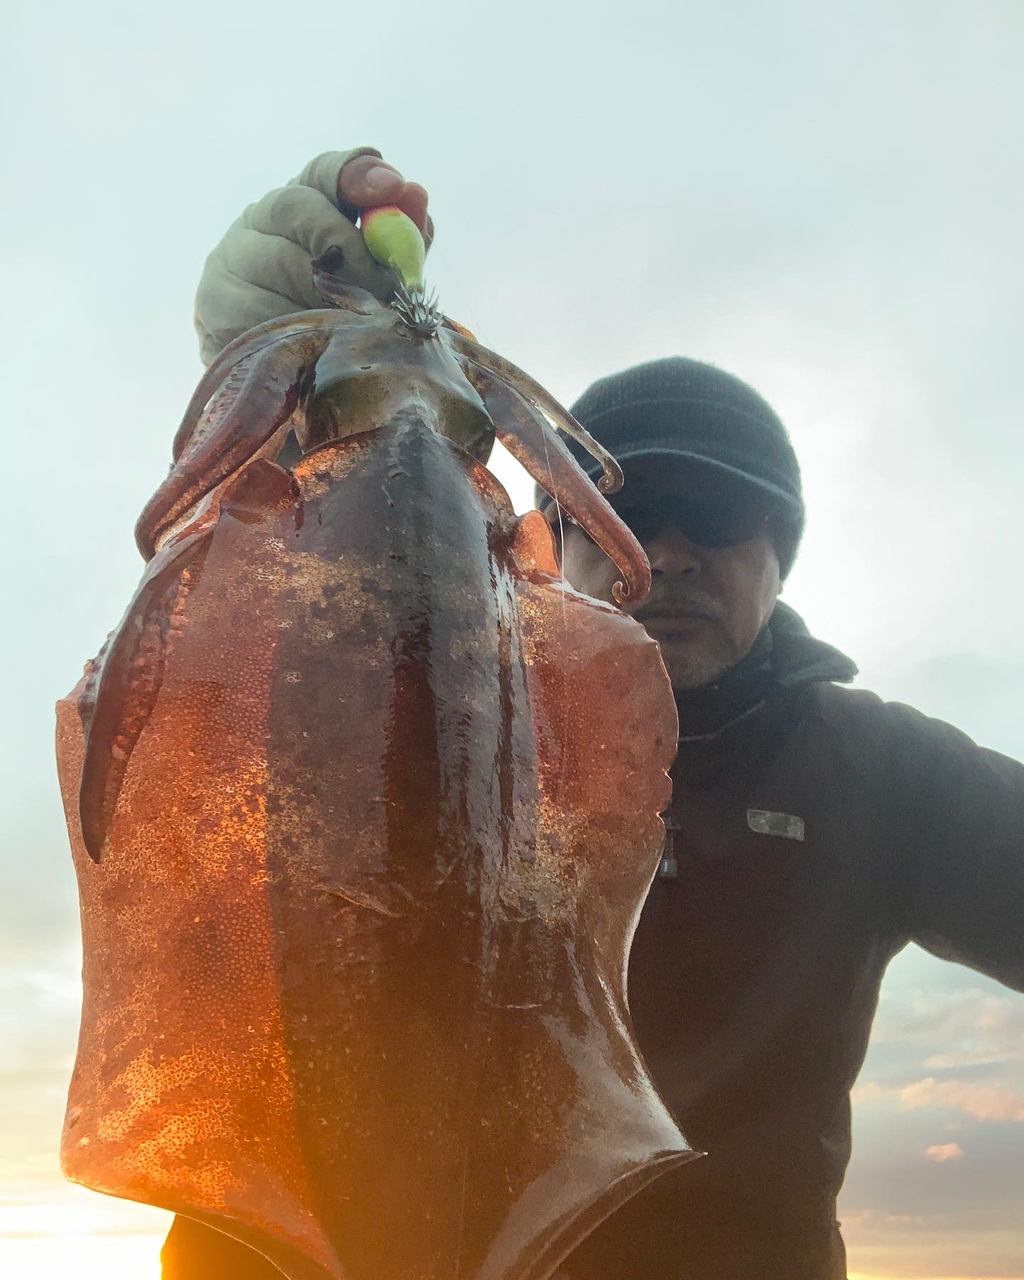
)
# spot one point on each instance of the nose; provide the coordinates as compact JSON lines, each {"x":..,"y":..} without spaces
{"x":672,"y":553}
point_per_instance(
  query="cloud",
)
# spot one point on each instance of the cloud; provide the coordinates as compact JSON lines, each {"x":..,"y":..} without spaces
{"x":992,"y":1019}
{"x":981,"y":1101}
{"x":944,"y":1152}
{"x":871,"y":1091}
{"x":974,"y":1030}
{"x":991,"y":1100}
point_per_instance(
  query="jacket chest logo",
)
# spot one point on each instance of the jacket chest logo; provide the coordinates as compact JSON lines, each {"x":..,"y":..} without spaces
{"x":764,"y":822}
{"x":767,"y":823}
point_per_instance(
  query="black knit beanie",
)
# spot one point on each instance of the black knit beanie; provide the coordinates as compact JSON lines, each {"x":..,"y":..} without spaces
{"x":704,"y":419}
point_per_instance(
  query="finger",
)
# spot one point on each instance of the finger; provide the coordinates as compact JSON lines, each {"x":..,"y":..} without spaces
{"x":368,"y":181}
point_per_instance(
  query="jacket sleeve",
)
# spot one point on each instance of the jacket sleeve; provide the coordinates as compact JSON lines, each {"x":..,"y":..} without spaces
{"x":960,"y":812}
{"x":260,"y":269}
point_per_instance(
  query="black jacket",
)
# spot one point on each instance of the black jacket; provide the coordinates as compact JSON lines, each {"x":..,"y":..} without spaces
{"x":811,"y":839}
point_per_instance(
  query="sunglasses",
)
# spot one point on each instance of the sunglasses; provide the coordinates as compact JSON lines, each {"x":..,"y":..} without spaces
{"x":714,"y":525}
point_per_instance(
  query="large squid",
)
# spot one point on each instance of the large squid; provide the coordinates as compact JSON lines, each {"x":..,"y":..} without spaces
{"x":364,"y":802}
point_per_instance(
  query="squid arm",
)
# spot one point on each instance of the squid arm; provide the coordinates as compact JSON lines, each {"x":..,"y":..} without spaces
{"x":245,"y":345}
{"x":532,"y":391}
{"x":241,"y":423}
{"x":525,"y":433}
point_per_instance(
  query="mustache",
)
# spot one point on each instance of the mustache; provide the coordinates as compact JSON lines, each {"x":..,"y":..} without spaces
{"x":680,"y":600}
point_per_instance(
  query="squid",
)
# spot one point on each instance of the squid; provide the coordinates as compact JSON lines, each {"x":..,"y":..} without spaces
{"x":363,"y":801}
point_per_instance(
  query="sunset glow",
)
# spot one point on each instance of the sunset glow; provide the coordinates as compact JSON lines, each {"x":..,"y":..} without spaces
{"x":82,"y":1257}
{"x":51,"y":1230}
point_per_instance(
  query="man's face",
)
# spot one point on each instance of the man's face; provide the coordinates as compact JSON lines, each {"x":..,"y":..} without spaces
{"x":707,"y":603}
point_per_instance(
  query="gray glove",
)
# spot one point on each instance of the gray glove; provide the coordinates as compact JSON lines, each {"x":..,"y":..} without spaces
{"x":260,"y":270}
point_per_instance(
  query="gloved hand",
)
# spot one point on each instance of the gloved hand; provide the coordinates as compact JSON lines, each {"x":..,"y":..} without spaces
{"x":261,"y":268}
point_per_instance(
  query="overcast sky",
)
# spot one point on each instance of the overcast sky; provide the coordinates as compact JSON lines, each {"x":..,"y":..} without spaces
{"x":825,"y":198}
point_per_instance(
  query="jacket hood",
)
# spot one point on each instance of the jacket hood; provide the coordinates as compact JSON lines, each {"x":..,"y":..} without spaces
{"x":784,"y":657}
{"x":799,"y":658}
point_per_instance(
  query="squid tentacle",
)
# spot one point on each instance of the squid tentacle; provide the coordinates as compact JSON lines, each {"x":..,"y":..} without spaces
{"x":531,"y":390}
{"x":526,"y":435}
{"x":129,"y":679}
{"x":243,"y":424}
{"x":246,"y":344}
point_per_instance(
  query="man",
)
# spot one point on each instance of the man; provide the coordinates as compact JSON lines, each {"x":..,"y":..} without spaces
{"x":814,"y":830}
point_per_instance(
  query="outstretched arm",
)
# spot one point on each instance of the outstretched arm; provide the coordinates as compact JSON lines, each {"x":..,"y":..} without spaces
{"x":960,"y":812}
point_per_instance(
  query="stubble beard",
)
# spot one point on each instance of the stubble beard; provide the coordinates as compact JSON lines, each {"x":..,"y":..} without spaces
{"x":695,"y":671}
{"x":697,"y":655}
{"x":693,"y":666}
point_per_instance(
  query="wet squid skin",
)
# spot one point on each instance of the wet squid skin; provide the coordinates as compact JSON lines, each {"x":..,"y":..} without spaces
{"x":364,"y":804}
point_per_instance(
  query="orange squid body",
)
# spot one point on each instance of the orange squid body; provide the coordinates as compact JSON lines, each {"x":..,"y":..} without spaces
{"x":355,"y":953}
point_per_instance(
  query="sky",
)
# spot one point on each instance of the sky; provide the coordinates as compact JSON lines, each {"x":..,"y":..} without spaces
{"x":824,"y":198}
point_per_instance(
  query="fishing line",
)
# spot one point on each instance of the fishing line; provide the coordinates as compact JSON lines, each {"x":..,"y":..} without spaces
{"x":561,"y":582}
{"x":436,"y":255}
{"x":561,"y":529}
